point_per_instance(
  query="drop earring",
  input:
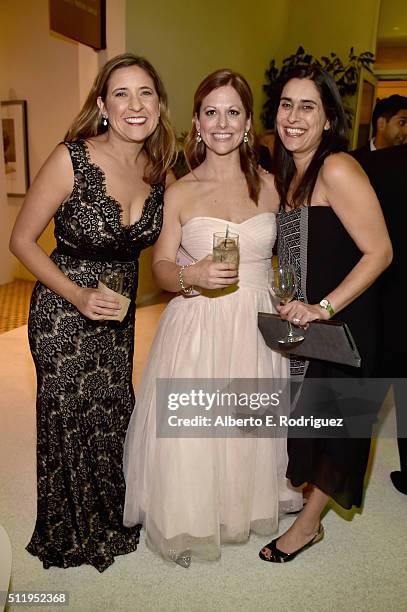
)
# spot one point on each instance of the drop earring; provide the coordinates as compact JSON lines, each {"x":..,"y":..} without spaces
{"x":198,"y":137}
{"x":104,"y":121}
{"x":245,"y":138}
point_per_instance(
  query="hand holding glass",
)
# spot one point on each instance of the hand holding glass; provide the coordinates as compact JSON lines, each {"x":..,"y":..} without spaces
{"x":284,"y":286}
{"x":226,"y":248}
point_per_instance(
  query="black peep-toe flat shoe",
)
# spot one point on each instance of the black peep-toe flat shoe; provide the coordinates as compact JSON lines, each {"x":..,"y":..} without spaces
{"x":278,"y":556}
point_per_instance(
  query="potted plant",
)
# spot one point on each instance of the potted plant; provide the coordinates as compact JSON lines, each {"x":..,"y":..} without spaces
{"x":345,"y":75}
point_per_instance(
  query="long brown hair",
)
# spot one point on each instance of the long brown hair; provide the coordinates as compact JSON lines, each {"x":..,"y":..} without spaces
{"x":159,"y":146}
{"x":195,"y":152}
{"x":333,"y":140}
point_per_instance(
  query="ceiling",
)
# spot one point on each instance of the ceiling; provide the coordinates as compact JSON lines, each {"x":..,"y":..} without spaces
{"x":393,"y":23}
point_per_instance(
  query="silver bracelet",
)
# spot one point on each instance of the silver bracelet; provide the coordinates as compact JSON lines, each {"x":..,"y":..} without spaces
{"x":184,"y":290}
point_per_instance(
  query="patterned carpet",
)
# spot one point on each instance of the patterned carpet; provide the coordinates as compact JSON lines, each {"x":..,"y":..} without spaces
{"x":14,"y":304}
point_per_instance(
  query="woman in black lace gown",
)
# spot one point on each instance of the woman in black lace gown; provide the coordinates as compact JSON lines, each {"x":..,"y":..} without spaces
{"x":104,"y":187}
{"x":332,"y":230}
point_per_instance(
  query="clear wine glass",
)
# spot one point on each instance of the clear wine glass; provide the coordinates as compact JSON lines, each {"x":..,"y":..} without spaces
{"x":284,"y":286}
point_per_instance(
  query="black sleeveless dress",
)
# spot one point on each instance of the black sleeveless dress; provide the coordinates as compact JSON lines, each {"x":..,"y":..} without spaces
{"x":314,"y":240}
{"x":85,"y":395}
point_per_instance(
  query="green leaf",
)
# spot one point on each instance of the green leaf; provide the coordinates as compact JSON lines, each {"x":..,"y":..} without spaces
{"x":345,"y":76}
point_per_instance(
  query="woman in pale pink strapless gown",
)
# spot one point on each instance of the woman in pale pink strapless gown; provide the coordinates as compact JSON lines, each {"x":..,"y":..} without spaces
{"x":193,"y":494}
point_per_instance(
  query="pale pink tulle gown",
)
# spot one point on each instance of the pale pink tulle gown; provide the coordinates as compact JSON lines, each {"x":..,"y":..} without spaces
{"x":193,"y":494}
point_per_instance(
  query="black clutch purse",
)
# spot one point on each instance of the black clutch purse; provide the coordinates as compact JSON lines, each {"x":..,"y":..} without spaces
{"x":326,"y":340}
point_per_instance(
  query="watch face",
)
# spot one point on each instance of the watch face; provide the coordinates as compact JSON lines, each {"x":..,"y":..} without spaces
{"x":326,"y":305}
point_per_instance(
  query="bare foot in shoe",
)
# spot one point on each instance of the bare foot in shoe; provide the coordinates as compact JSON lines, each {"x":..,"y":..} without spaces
{"x":296,"y":537}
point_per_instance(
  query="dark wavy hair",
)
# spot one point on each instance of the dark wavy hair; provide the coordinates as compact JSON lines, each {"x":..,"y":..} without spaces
{"x":159,"y":146}
{"x":195,"y":152}
{"x":333,"y":140}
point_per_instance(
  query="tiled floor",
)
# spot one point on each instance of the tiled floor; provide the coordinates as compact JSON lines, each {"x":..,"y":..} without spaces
{"x":14,"y":304}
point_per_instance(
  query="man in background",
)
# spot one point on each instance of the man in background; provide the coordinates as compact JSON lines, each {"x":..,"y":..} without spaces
{"x":386,"y":168}
{"x":389,"y":124}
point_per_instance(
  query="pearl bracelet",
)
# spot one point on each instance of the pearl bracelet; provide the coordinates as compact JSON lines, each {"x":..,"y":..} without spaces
{"x":184,"y":290}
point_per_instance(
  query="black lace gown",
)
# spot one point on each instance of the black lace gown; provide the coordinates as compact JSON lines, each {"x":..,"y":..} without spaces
{"x":84,"y":377}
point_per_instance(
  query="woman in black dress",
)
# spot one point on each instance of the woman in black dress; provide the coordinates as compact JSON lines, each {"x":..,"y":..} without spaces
{"x":332,"y":230}
{"x":104,"y":187}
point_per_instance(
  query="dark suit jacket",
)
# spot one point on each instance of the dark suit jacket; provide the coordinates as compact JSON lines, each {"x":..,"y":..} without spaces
{"x":387,"y":171}
{"x":361,"y":152}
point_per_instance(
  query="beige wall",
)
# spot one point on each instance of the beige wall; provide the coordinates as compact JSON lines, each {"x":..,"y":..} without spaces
{"x":43,"y":70}
{"x":89,"y":60}
{"x":393,"y":23}
{"x":187,"y":40}
{"x":54,"y":75}
{"x":322,"y":26}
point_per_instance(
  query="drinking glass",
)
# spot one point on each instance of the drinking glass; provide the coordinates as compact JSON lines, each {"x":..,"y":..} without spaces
{"x":226,"y":248}
{"x":284,"y":286}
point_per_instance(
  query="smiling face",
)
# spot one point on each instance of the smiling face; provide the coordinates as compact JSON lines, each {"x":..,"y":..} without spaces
{"x":131,"y":104}
{"x":222,"y":120}
{"x":301,"y":118}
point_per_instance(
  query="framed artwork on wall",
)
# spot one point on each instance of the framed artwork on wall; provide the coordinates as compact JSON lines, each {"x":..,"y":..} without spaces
{"x":15,"y":146}
{"x":365,"y":102}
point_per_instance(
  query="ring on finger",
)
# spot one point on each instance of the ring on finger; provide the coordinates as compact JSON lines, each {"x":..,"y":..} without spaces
{"x":296,"y":320}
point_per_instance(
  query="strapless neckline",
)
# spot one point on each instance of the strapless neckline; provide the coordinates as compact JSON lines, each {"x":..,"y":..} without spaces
{"x":227,"y":221}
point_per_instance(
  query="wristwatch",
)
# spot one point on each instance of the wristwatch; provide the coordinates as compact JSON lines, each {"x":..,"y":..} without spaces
{"x":326,"y":304}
